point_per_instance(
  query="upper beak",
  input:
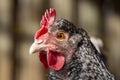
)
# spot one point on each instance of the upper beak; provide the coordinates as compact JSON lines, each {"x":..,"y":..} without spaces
{"x":38,"y":46}
{"x":33,"y":48}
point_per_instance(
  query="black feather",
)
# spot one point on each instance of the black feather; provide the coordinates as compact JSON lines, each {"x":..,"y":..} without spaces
{"x":86,"y":63}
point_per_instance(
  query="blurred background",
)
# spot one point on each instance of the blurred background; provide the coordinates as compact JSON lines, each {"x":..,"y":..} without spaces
{"x":19,"y":20}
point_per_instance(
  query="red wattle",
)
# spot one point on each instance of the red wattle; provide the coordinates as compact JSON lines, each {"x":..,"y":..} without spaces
{"x":43,"y":59}
{"x":52,"y":59}
{"x":55,"y":60}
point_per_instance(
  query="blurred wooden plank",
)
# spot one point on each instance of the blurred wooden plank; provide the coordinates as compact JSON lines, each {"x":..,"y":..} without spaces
{"x":6,"y":68}
{"x":5,"y":61}
{"x":113,"y":41}
{"x":5,"y":14}
{"x":5,"y":40}
{"x":27,"y":17}
{"x":89,"y":17}
{"x":29,"y":68}
{"x":65,"y":9}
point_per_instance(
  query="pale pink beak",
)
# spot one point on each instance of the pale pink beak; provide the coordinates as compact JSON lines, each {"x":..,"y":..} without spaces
{"x":36,"y":47}
{"x":40,"y":45}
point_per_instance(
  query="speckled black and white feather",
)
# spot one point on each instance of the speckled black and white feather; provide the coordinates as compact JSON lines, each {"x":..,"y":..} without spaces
{"x":86,"y":62}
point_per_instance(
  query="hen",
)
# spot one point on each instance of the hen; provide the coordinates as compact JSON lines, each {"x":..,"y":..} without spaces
{"x":67,"y":51}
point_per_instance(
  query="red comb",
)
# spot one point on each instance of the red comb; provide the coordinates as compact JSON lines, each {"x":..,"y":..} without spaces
{"x":47,"y":20}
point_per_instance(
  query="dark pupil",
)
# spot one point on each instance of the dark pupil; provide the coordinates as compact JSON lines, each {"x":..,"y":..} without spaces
{"x":59,"y":35}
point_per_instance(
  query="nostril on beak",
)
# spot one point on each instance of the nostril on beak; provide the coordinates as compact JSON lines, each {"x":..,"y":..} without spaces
{"x":40,"y":41}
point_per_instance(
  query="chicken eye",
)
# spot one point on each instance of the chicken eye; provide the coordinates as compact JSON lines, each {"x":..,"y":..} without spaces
{"x":60,"y":36}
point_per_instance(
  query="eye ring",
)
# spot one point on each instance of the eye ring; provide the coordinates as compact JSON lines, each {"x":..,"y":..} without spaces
{"x":60,"y":36}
